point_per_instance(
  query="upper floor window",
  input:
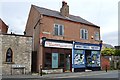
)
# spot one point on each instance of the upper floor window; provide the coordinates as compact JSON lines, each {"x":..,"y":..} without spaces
{"x":9,"y":55}
{"x":97,"y":36}
{"x":84,"y":34}
{"x":58,"y":30}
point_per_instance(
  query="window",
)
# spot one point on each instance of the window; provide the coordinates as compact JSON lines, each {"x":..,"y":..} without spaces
{"x":58,"y":30}
{"x":84,"y":34}
{"x":9,"y":55}
{"x":48,"y":60}
{"x":61,"y":60}
{"x":79,"y":57}
{"x":54,"y":60}
{"x":97,"y":36}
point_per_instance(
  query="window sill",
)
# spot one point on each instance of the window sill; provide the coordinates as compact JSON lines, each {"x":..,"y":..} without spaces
{"x":8,"y":62}
{"x":83,"y":39}
{"x":97,"y":40}
{"x":59,"y":35}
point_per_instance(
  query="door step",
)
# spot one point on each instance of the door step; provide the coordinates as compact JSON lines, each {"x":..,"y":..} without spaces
{"x":87,"y":70}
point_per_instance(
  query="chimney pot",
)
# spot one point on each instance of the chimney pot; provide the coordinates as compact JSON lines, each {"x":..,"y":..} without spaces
{"x":64,"y":3}
{"x":65,"y":9}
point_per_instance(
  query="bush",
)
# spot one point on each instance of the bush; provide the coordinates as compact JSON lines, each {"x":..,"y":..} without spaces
{"x":117,"y":53}
{"x":108,"y":52}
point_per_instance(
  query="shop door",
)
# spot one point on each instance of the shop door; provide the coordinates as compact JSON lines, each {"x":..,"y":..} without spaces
{"x":67,"y":61}
{"x":88,"y":59}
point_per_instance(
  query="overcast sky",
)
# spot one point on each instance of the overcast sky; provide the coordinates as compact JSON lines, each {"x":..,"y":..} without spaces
{"x":103,"y":13}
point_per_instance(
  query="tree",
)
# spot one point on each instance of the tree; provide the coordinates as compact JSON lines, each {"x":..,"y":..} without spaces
{"x":117,"y":53}
{"x":108,"y":52}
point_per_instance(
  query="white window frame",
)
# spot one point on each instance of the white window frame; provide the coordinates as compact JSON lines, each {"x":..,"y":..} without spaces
{"x":84,"y":34}
{"x":59,"y":33}
{"x":97,"y":36}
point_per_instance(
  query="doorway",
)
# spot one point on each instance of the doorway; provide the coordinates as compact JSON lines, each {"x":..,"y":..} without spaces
{"x":67,"y":62}
{"x":88,"y":60}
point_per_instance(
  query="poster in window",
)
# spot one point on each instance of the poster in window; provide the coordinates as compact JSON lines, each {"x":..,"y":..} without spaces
{"x":54,"y":60}
{"x":95,"y":58}
{"x":79,"y":57}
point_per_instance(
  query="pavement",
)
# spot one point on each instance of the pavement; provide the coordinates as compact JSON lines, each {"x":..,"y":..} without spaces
{"x":115,"y":74}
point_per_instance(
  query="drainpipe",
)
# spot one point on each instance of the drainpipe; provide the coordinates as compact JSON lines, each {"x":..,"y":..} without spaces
{"x":73,"y":56}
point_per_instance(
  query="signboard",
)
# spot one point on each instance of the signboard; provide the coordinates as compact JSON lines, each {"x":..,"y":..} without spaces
{"x":18,"y":66}
{"x":58,"y":45}
{"x":54,"y":60}
{"x":87,"y":47}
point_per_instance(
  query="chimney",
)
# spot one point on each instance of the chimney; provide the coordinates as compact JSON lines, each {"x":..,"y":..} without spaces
{"x":65,"y":9}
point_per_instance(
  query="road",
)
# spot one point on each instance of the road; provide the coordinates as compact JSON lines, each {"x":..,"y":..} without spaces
{"x":96,"y":75}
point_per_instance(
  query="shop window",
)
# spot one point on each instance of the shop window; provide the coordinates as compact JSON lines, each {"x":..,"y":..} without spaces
{"x":54,"y":60}
{"x":79,"y":57}
{"x":61,"y":60}
{"x":48,"y":60}
{"x":58,"y":30}
{"x":84,"y":34}
{"x":97,"y":36}
{"x":9,"y":55}
{"x":95,"y":58}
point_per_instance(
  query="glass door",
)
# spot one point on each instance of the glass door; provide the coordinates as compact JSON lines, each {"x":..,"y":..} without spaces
{"x":67,"y":61}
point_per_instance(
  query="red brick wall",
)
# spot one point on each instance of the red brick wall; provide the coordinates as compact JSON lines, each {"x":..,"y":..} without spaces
{"x":3,"y":27}
{"x":71,"y":30}
{"x":104,"y":62}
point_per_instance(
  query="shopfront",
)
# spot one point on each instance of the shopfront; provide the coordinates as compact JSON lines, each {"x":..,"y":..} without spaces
{"x":57,"y":55}
{"x":86,"y":56}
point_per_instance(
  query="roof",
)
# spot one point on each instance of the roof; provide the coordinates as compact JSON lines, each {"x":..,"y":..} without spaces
{"x":53,"y":13}
{"x":108,"y":46}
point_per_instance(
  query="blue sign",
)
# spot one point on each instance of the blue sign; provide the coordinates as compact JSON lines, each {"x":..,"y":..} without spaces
{"x":54,"y":60}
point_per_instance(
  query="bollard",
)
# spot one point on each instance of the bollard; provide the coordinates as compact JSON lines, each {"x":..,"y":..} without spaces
{"x":40,"y":70}
{"x":106,"y":68}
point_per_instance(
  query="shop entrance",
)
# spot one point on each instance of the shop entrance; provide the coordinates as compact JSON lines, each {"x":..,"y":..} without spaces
{"x":88,"y":59}
{"x":67,"y":63}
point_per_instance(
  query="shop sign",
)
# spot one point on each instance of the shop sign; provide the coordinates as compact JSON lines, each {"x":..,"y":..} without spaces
{"x":87,"y":47}
{"x":58,"y":44}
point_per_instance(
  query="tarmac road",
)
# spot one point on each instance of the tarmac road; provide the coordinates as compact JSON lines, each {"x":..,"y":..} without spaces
{"x":96,"y":75}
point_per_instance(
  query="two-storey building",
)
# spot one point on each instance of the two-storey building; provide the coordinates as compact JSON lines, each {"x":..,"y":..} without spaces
{"x":61,"y":41}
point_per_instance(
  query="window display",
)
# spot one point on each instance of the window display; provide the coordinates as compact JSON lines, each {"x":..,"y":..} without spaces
{"x":95,"y":56}
{"x":79,"y":57}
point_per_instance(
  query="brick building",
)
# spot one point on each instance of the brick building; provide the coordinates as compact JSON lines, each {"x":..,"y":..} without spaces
{"x":62,"y":42}
{"x":3,"y":27}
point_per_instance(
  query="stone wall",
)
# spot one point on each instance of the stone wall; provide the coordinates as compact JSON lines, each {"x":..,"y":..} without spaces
{"x":22,"y":49}
{"x":0,"y":57}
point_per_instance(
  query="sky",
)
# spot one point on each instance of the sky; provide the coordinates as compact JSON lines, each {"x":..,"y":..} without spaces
{"x":103,"y":13}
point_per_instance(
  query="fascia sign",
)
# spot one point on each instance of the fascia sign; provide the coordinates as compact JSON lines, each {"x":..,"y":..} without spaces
{"x":87,"y":47}
{"x":58,"y":45}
